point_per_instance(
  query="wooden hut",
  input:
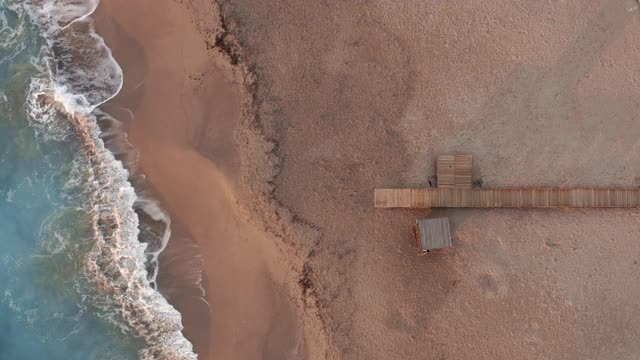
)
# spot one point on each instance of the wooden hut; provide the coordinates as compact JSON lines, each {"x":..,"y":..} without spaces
{"x":432,"y":234}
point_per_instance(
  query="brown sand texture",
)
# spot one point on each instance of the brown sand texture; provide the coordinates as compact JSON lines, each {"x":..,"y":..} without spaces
{"x":264,"y":126}
{"x":364,"y":94}
{"x":182,"y":103}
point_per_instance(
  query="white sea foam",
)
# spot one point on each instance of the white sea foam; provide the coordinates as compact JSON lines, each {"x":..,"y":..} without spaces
{"x":184,"y":260}
{"x":81,"y":74}
{"x":155,"y":223}
{"x":10,"y":36}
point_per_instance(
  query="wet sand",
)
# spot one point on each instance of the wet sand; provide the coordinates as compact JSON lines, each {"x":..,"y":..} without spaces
{"x":182,"y":103}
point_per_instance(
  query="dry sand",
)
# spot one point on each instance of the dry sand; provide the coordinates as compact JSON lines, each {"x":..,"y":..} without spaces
{"x":357,"y":95}
{"x":182,"y":104}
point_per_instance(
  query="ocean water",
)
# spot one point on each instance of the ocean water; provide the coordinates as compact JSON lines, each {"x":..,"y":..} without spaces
{"x":77,"y":266}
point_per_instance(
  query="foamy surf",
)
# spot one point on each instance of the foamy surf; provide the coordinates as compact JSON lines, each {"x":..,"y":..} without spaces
{"x":80,"y":74}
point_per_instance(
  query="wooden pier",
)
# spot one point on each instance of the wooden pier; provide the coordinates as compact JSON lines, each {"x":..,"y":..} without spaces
{"x":455,"y":191}
{"x":507,"y":198}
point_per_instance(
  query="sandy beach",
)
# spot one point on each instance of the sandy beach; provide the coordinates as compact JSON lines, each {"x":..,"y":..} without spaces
{"x":362,"y":95}
{"x":182,"y":103}
{"x":264,"y":126}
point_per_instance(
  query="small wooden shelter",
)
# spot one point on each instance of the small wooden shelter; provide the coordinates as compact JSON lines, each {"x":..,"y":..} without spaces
{"x":432,"y":234}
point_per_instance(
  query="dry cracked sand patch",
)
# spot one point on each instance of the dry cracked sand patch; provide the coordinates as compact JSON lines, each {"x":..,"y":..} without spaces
{"x":359,"y":95}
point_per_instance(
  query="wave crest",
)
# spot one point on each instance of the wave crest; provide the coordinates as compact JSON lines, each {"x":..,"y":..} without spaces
{"x":81,"y":74}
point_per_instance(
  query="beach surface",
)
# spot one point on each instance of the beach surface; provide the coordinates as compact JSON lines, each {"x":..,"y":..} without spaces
{"x":264,"y":126}
{"x":181,"y":104}
{"x":358,"y":95}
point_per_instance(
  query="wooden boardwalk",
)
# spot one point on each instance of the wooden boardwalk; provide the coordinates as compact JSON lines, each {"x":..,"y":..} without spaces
{"x":507,"y":198}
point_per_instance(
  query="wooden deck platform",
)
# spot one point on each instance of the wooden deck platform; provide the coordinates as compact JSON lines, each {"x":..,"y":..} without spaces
{"x":507,"y":198}
{"x":454,"y":171}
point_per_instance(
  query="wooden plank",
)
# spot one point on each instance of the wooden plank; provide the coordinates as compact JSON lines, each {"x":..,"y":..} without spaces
{"x":463,"y":165}
{"x":434,"y":234}
{"x":508,"y":198}
{"x":446,"y":171}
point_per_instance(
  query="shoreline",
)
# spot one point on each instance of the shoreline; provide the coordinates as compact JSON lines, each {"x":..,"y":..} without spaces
{"x":256,"y":306}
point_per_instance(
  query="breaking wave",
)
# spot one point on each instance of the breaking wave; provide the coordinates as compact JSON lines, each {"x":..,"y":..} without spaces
{"x":78,"y":74}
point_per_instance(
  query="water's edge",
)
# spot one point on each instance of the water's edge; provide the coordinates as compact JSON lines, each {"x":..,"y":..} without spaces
{"x":130,"y":230}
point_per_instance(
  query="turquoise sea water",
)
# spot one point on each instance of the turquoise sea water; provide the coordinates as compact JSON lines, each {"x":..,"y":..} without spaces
{"x":75,"y":281}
